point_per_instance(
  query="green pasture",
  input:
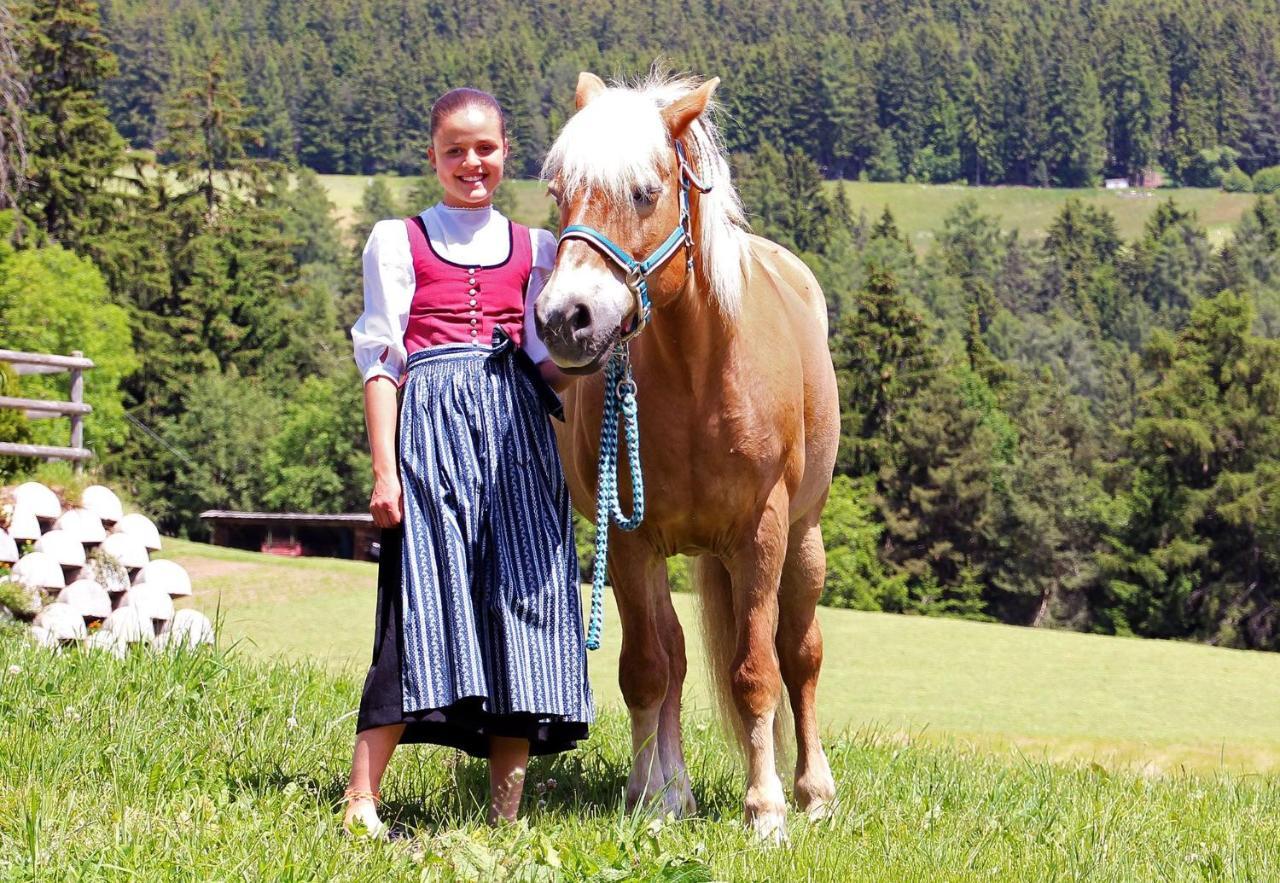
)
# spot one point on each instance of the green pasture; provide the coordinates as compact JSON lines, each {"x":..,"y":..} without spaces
{"x":918,"y":208}
{"x":1153,"y":705}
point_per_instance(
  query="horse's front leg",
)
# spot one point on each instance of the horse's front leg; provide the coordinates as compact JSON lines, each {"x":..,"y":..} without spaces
{"x":648,"y":670}
{"x":755,"y":570}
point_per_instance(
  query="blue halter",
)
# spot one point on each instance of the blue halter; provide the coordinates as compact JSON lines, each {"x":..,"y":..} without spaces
{"x":637,"y":272}
{"x":620,"y":388}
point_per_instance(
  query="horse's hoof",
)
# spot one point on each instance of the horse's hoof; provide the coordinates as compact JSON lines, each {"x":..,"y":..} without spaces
{"x":816,"y":796}
{"x":766,"y":813}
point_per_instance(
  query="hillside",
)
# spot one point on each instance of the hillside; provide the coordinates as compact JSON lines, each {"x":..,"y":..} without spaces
{"x":1152,"y":704}
{"x":918,"y":208}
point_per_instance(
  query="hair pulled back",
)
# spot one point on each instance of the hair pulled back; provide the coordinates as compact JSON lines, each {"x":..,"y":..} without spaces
{"x":465,"y":96}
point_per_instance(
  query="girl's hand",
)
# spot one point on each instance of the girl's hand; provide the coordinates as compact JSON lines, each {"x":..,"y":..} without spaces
{"x":387,"y":503}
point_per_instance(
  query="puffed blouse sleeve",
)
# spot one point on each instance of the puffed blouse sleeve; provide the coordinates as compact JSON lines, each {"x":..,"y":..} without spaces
{"x":544,"y":260}
{"x":378,"y":335}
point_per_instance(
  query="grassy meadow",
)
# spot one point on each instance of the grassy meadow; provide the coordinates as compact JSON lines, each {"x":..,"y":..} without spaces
{"x":962,"y":751}
{"x":918,"y":208}
{"x":1151,"y":705}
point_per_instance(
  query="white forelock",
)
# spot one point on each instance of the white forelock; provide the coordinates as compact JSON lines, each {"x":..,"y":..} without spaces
{"x":619,"y":142}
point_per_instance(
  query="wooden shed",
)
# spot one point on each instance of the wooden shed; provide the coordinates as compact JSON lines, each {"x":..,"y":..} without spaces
{"x":296,"y":533}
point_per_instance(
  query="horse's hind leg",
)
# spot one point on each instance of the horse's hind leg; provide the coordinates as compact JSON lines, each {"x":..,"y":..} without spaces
{"x":799,"y":644}
{"x":754,"y":678}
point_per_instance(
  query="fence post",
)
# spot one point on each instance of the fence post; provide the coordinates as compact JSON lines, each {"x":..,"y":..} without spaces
{"x":77,"y":420}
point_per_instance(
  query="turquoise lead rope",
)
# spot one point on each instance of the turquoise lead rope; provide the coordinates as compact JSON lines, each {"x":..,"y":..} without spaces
{"x":619,"y":396}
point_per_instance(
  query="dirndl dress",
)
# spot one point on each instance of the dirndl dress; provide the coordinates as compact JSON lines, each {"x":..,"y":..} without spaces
{"x":479,"y":624}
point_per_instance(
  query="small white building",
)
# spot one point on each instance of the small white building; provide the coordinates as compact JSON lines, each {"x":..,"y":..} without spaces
{"x":1117,"y":183}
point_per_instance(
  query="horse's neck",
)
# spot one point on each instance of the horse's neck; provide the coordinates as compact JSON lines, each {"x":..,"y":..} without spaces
{"x":687,"y":344}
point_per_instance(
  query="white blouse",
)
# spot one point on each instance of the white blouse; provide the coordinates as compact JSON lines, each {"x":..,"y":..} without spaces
{"x":464,"y":236}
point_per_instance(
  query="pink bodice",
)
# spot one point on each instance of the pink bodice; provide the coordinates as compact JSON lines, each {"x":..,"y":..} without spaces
{"x":458,"y":303}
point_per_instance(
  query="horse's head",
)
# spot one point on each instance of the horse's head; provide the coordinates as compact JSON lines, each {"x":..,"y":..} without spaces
{"x":616,"y":176}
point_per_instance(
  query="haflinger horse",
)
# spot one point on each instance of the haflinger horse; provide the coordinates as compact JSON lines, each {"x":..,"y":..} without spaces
{"x":739,"y":423}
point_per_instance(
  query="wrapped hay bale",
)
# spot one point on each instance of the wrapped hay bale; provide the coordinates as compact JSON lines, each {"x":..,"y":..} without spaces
{"x":129,"y":626}
{"x":37,"y":499}
{"x":82,"y":524}
{"x":88,"y":598}
{"x":190,"y":629}
{"x":62,"y":622}
{"x":102,"y":502}
{"x":40,"y":570}
{"x":63,"y":547}
{"x":170,"y":576}
{"x":141,"y":527}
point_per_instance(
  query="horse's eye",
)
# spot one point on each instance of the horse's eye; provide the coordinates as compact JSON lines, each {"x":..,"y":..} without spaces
{"x":644,"y":196}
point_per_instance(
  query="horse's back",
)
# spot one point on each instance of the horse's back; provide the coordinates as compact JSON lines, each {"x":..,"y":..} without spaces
{"x":772,"y":264}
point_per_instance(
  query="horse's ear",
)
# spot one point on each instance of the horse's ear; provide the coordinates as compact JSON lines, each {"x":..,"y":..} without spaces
{"x":679,"y":114}
{"x":589,"y":86}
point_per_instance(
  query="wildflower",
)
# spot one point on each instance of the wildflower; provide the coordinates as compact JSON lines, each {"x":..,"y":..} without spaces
{"x":72,"y":715}
{"x":15,"y":669}
{"x":292,"y":722}
{"x":551,"y":784}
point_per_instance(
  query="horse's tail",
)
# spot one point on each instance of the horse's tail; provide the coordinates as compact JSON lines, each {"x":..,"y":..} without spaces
{"x":720,"y":638}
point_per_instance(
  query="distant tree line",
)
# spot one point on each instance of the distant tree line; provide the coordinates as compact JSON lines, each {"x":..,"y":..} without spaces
{"x":1005,"y":91}
{"x":1080,"y":432}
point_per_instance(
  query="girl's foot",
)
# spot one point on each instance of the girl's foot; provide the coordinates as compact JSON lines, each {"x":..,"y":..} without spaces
{"x":361,"y":818}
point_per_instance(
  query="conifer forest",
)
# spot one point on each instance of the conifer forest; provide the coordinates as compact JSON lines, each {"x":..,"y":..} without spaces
{"x":1076,"y":430}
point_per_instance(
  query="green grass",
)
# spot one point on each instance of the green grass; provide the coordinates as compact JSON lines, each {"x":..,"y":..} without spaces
{"x":918,"y":208}
{"x":1154,"y":705}
{"x":211,"y":766}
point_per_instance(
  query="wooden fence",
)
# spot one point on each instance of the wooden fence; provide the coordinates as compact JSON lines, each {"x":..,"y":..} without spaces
{"x":36,"y":409}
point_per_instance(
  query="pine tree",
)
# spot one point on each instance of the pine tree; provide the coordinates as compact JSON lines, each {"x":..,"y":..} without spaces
{"x":13,"y":125}
{"x":74,"y":148}
{"x":207,"y":134}
{"x":882,"y":357}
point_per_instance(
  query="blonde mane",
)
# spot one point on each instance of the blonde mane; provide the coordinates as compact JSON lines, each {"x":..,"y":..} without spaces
{"x":618,"y":142}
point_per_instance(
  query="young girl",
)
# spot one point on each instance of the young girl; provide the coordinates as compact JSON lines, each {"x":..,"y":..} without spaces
{"x":479,"y":635}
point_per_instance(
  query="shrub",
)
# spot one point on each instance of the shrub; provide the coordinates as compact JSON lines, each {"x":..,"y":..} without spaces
{"x":1267,"y":180}
{"x":1235,"y":180}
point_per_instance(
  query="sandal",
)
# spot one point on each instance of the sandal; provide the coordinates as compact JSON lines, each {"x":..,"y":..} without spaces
{"x":363,"y":822}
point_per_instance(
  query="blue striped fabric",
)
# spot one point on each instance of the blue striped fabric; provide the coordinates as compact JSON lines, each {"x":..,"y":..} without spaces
{"x":490,"y":585}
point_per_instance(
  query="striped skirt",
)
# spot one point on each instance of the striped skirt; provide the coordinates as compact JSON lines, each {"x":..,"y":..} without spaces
{"x":479,"y":618}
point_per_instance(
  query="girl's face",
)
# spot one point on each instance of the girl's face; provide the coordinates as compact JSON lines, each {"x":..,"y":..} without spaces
{"x":467,"y":152}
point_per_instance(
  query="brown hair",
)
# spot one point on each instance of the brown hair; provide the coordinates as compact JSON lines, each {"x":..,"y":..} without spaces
{"x":456,"y":99}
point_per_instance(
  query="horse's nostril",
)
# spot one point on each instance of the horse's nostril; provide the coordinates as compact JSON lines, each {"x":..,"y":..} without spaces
{"x":581,"y":317}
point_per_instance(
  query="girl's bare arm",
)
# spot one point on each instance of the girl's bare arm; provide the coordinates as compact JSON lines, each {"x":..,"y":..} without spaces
{"x":380,"y":411}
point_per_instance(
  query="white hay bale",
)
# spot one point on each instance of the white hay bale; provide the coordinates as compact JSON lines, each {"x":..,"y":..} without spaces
{"x":63,"y":546}
{"x":154,"y":603}
{"x":88,"y":598}
{"x":8,"y":547}
{"x":82,"y":524}
{"x":103,"y":502}
{"x":129,"y":626}
{"x":62,"y":621}
{"x":127,"y":549}
{"x":42,"y":502}
{"x":190,"y":629}
{"x":167,"y":575}
{"x":42,"y":638}
{"x":23,"y":524}
{"x":141,"y":527}
{"x":39,"y":570}
{"x":107,"y":642}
